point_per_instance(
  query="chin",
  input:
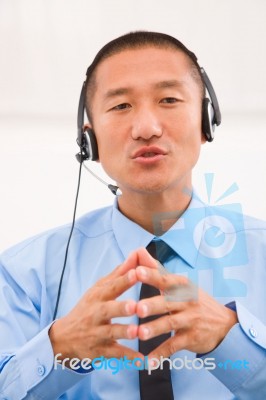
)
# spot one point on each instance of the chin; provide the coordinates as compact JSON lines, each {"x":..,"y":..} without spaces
{"x":148,"y":188}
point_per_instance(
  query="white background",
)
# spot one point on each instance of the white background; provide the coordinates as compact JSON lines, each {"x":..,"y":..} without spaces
{"x":46,"y":46}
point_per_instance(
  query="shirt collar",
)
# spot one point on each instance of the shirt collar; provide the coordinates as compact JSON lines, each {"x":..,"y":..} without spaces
{"x":179,"y":237}
{"x":128,"y":234}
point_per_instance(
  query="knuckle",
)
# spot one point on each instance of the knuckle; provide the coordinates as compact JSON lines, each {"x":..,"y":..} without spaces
{"x":169,"y":307}
{"x":104,"y":310}
{"x":109,"y":332}
{"x":122,"y":308}
{"x":196,"y":334}
{"x":171,"y":346}
{"x":101,"y":281}
{"x":183,"y":280}
{"x":171,"y":322}
{"x":196,"y":317}
{"x":164,"y":280}
{"x":124,"y":331}
{"x":194,"y":338}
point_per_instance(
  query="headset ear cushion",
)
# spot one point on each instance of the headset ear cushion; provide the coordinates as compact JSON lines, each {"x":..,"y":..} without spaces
{"x":207,"y":119}
{"x":90,"y":146}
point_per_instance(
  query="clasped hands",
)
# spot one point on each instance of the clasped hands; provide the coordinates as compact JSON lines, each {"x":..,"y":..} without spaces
{"x":198,"y":324}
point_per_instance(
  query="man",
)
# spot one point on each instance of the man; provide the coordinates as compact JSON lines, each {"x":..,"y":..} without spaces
{"x":144,"y":96}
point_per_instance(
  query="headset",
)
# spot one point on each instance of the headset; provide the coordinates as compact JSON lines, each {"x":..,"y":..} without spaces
{"x":211,"y":114}
{"x":86,"y":139}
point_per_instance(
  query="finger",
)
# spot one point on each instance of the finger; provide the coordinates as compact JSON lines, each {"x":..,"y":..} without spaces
{"x":165,"y":324}
{"x":176,"y":287}
{"x":127,"y":265}
{"x":161,"y":281}
{"x":111,"y":332}
{"x":158,"y":305}
{"x":115,"y":287}
{"x":144,"y":258}
{"x":114,"y":308}
{"x":122,"y":269}
{"x":136,"y":258}
{"x":125,"y":275}
{"x":170,"y":346}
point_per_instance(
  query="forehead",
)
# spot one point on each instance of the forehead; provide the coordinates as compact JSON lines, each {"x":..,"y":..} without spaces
{"x":141,"y":67}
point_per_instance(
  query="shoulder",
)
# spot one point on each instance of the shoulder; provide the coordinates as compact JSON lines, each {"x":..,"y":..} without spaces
{"x":95,"y":223}
{"x":232,"y":216}
{"x":35,"y":265}
{"x":254,"y":224}
{"x":92,"y":224}
{"x":238,"y":226}
{"x":255,"y":232}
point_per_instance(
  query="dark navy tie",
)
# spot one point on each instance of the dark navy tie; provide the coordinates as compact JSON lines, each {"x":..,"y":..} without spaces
{"x":158,"y":384}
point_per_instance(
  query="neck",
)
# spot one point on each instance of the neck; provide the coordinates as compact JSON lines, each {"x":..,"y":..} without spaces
{"x":155,"y":212}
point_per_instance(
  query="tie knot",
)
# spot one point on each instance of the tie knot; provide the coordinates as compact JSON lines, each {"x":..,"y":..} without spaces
{"x":160,"y":250}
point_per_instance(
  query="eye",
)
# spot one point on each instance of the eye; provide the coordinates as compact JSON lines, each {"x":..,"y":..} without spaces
{"x":121,"y":106}
{"x":169,"y":100}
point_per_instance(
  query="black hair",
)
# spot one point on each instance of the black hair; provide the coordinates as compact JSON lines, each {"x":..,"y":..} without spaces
{"x":137,"y":40}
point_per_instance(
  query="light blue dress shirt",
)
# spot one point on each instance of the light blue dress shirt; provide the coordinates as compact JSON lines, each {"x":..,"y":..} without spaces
{"x":222,"y":252}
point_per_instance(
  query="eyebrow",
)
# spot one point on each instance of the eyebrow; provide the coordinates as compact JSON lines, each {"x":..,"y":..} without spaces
{"x":116,"y":92}
{"x":159,"y":85}
{"x":169,"y":84}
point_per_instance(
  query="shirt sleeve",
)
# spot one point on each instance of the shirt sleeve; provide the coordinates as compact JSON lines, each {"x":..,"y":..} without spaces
{"x":27,"y":367}
{"x":241,"y":357}
{"x":31,"y":373}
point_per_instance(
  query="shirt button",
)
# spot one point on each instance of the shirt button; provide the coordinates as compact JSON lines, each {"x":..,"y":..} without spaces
{"x":41,"y":370}
{"x":253,"y":332}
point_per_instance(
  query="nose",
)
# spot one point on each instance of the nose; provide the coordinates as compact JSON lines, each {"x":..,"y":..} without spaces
{"x":146,"y":125}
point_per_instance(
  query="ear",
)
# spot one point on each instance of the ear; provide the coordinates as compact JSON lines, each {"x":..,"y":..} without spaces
{"x":87,"y":126}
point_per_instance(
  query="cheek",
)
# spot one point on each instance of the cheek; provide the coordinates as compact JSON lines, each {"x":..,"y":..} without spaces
{"x":107,"y":135}
{"x":109,"y":149}
{"x":109,"y":152}
{"x":113,"y":138}
{"x":188,"y":137}
{"x":188,"y":133}
{"x":187,"y":120}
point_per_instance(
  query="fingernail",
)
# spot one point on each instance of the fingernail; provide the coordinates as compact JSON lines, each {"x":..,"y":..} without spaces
{"x":131,"y":275}
{"x":144,"y":310}
{"x":128,"y":308}
{"x":129,"y":333}
{"x":145,"y":332}
{"x":152,"y":363}
{"x":138,"y":363}
{"x":143,"y":271}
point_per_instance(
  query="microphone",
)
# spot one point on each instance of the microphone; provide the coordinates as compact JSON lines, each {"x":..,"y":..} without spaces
{"x":114,"y":189}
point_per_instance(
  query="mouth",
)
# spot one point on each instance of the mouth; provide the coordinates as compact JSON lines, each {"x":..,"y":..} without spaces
{"x":148,"y":151}
{"x":149,"y":154}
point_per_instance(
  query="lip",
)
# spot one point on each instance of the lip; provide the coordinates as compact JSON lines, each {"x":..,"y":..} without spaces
{"x":148,"y":149}
{"x":148,"y":154}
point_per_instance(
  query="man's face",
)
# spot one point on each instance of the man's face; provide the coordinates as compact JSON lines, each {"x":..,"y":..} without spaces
{"x":147,"y":119}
